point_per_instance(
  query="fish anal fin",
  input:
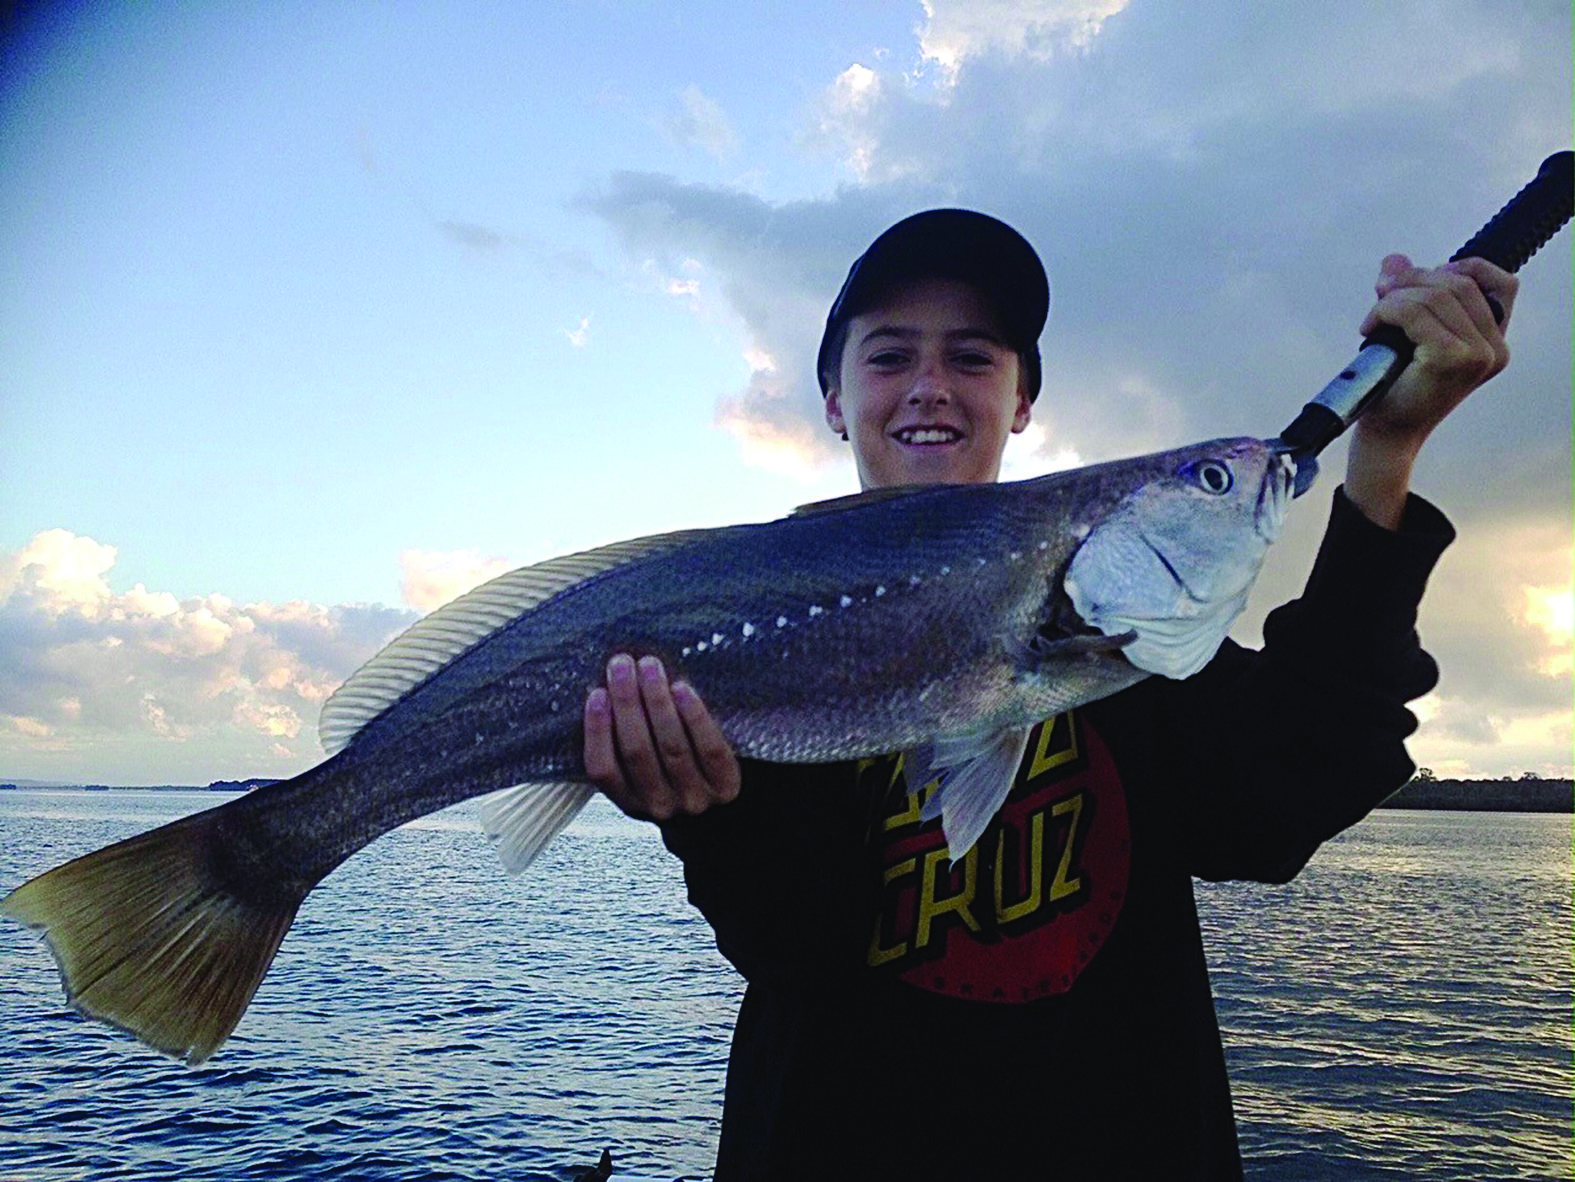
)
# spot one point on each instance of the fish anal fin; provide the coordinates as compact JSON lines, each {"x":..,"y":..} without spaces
{"x":148,"y":939}
{"x":522,"y":820}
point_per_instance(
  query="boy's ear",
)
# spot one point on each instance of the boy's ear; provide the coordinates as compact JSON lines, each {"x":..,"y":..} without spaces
{"x":1024,"y":410}
{"x":834,"y":418}
{"x":1023,"y":413}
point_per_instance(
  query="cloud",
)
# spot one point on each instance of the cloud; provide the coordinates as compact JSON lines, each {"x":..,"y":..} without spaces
{"x":956,"y":29}
{"x":160,"y":688}
{"x":473,"y":236}
{"x":841,"y":123}
{"x":1210,"y":208}
{"x":431,"y":578}
{"x":578,"y":336}
{"x":774,"y":266}
{"x":701,"y":123}
{"x":1207,"y":191}
{"x":1504,"y":581}
{"x":1031,"y":454}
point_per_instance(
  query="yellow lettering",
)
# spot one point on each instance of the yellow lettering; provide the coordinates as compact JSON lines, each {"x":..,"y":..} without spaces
{"x":879,"y":955}
{"x":1062,"y":887}
{"x":1057,"y":744}
{"x":1004,"y":912}
{"x":932,"y":908}
{"x":907,"y":815}
{"x":913,"y":802}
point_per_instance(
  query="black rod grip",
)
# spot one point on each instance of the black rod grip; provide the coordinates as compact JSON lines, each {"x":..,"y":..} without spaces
{"x":1533,"y":215}
{"x":1508,"y":240}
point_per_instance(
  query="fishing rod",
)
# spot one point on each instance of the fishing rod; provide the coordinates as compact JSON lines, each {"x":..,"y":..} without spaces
{"x":1509,"y":238}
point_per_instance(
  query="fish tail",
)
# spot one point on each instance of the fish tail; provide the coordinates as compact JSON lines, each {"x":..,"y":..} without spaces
{"x":151,"y":935}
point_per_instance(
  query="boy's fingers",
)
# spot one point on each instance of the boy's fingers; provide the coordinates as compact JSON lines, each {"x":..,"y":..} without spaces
{"x":601,"y":763}
{"x":636,"y":748}
{"x":1502,"y":285}
{"x":681,"y":775}
{"x":652,"y":746}
{"x":717,"y":764}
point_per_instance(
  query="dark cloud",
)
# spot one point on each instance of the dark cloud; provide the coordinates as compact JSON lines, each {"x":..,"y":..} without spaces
{"x":1212,"y":187}
{"x":475,"y":237}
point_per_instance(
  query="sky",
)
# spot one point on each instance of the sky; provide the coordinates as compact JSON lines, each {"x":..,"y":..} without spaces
{"x":312,"y":315}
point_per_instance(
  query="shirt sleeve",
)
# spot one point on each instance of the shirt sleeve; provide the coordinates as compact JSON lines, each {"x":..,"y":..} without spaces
{"x":1289,"y":745}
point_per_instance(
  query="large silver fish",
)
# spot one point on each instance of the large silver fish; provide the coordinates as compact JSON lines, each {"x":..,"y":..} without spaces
{"x":943,"y":621}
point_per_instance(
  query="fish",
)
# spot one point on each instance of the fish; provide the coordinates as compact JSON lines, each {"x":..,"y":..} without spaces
{"x":941,"y":621}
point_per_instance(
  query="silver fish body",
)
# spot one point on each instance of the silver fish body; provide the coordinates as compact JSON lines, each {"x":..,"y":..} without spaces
{"x":873,"y":624}
{"x":946,"y":619}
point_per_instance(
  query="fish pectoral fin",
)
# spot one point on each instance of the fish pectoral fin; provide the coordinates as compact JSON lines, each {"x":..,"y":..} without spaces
{"x":977,"y":770}
{"x":1044,"y":646}
{"x":523,"y":819}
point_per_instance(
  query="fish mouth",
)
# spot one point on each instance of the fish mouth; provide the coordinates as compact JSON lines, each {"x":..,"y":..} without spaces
{"x":1273,"y":497}
{"x":927,"y":435}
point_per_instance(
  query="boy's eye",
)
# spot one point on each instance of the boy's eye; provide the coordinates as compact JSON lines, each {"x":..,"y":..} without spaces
{"x":973,"y":359}
{"x":887,"y":357}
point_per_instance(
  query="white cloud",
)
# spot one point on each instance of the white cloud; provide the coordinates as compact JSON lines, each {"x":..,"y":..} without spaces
{"x":431,"y":578}
{"x":158,"y":688}
{"x":785,"y":445}
{"x":843,"y":123}
{"x":957,"y":29}
{"x":61,"y":569}
{"x":578,"y":336}
{"x":701,"y":123}
{"x":1457,"y":740}
{"x":1551,"y":610}
{"x":1031,"y":454}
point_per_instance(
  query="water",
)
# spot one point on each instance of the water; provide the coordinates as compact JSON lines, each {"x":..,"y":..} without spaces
{"x":1402,"y":1010}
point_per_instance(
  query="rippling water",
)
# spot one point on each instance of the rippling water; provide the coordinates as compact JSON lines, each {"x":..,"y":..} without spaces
{"x":1402,"y":1010}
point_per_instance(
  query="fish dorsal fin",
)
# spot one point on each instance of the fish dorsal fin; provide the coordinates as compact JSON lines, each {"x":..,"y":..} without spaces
{"x":435,"y":640}
{"x":853,"y":500}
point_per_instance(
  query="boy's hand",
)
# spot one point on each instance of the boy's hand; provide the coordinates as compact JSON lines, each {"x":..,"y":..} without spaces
{"x":1444,"y":310}
{"x":652,"y":746}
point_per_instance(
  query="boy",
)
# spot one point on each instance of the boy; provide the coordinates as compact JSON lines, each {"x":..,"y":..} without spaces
{"x":1042,"y":1007}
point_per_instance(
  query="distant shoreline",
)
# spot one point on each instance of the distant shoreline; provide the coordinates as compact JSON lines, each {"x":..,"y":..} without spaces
{"x":215,"y":786}
{"x":1488,"y":796}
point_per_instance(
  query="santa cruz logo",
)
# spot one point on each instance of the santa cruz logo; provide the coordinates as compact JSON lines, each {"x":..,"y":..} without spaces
{"x":1028,"y":907}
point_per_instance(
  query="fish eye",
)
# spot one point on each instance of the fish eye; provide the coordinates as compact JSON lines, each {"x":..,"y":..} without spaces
{"x":1210,"y":475}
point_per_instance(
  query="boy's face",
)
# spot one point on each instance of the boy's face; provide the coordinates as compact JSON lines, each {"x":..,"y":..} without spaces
{"x":928,"y":391}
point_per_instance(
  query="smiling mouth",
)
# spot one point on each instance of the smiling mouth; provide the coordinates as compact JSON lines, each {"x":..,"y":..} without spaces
{"x":927,"y":435}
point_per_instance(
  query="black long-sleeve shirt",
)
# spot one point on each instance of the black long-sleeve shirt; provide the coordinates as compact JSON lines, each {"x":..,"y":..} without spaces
{"x":1042,"y":1009}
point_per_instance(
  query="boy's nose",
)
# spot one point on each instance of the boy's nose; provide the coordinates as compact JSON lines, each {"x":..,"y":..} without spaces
{"x":929,"y":385}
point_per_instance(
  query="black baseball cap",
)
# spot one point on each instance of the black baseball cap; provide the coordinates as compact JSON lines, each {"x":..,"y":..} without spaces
{"x":949,"y":244}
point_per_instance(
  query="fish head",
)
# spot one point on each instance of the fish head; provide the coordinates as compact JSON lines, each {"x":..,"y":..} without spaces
{"x":1174,"y":560}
